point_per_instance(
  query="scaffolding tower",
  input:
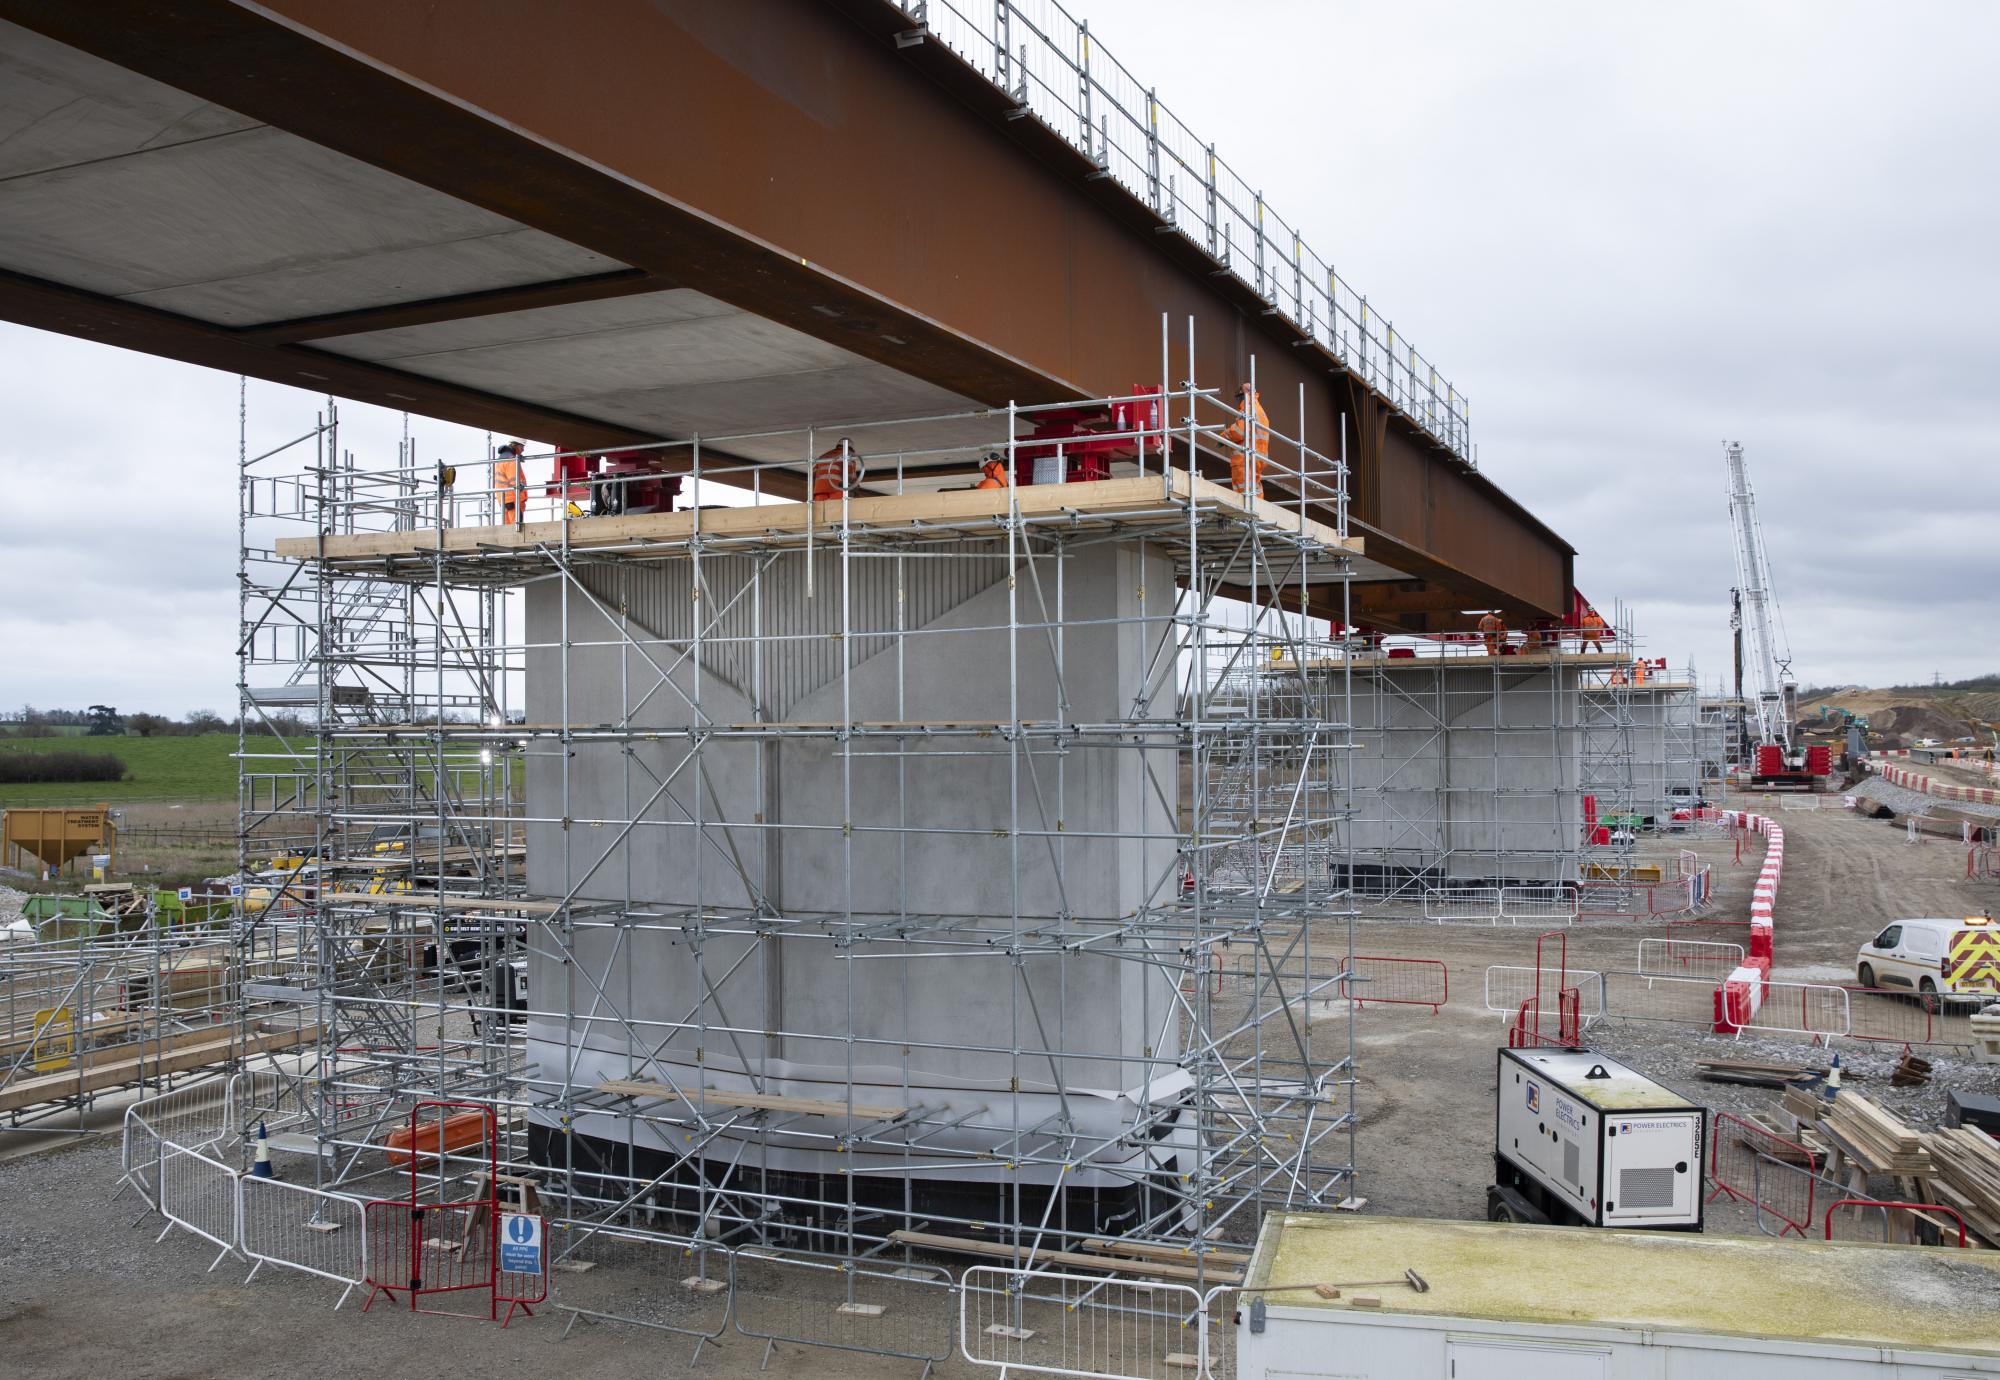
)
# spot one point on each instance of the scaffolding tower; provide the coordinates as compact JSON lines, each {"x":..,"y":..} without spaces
{"x":800,"y":873}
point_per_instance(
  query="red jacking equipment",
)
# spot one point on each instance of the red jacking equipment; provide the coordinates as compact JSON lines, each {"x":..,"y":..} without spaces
{"x":634,"y":481}
{"x":1077,"y":445}
{"x":618,"y":481}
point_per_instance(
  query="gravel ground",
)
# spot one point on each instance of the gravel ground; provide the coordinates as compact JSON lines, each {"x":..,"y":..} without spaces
{"x":1906,"y":801}
{"x":84,"y":1291}
{"x":1668,"y":1054}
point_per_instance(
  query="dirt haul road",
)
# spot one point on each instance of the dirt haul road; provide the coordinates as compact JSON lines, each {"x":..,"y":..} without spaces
{"x":84,"y":1291}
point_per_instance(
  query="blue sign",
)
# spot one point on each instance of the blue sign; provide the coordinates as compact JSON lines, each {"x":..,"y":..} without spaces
{"x":186,"y":893}
{"x":520,"y":1243}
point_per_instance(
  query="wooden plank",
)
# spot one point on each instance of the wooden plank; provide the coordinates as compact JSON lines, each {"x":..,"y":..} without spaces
{"x":1142,"y":1250}
{"x":765,"y":1102}
{"x":431,"y":902}
{"x":1078,"y":1259}
{"x":1104,"y":500}
{"x":31,"y":1091}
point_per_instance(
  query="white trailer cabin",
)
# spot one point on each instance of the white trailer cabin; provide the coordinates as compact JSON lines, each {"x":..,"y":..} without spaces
{"x":1509,"y":1302}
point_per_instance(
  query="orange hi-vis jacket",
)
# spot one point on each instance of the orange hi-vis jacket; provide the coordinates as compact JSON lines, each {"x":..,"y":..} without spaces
{"x":1242,"y":476}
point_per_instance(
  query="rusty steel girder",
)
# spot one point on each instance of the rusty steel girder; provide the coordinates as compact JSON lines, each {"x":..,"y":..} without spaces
{"x":792,"y":159}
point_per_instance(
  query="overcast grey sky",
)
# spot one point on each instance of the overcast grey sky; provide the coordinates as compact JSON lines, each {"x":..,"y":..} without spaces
{"x":1628,"y":232}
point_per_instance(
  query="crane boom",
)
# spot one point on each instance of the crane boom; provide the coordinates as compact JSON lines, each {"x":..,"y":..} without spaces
{"x":1753,"y":575}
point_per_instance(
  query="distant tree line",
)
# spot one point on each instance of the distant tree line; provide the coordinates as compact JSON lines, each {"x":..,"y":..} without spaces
{"x":1989,"y":681}
{"x":103,"y":720}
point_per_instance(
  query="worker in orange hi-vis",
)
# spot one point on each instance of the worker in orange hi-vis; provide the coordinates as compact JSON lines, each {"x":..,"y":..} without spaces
{"x":1594,"y":629}
{"x":507,"y":481}
{"x":1493,"y":632}
{"x":837,"y":473}
{"x":1246,"y":476}
{"x":992,"y":474}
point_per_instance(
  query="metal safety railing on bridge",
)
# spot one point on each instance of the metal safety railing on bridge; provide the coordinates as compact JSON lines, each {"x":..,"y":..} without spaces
{"x":1058,"y":73}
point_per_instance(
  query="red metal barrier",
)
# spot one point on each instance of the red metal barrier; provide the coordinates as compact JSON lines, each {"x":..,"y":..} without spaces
{"x":430,"y":1248}
{"x":1405,"y":981}
{"x":1919,"y":1208}
{"x":1751,"y":1165}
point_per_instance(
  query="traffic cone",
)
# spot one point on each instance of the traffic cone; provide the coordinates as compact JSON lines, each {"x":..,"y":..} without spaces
{"x":260,"y":1168}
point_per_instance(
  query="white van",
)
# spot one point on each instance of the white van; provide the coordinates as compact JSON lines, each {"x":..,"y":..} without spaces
{"x":1915,"y":956}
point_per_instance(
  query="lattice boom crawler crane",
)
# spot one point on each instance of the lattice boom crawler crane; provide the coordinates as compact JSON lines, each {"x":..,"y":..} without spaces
{"x":1778,"y":760}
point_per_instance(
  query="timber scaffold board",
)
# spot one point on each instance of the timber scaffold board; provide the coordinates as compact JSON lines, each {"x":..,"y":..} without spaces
{"x":953,"y":514}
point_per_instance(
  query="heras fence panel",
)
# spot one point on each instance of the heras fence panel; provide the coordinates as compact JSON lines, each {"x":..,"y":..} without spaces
{"x":198,"y":1194}
{"x":1685,"y":1001}
{"x":1400,"y":982}
{"x":1507,"y":987}
{"x":304,"y":1229}
{"x":1688,"y":957}
{"x":1462,"y":904}
{"x":874,"y":1309}
{"x":1797,"y":1008}
{"x":675,"y":1285}
{"x":1551,"y":904}
{"x":1896,"y":1017}
{"x":1808,"y":1009}
{"x":1079,"y":1325}
{"x":1751,"y":1164}
{"x":191,"y":1116}
{"x":1799,"y":802}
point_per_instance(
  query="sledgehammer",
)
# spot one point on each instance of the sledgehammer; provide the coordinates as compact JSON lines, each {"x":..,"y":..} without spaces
{"x":1410,"y":1277}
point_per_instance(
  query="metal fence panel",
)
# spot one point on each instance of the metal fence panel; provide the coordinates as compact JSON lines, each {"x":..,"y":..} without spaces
{"x":198,"y":1194}
{"x":305,"y":1229}
{"x":1080,"y":1325}
{"x":1800,"y":1008}
{"x":191,"y":1116}
{"x":622,"y":1285}
{"x":1462,"y":903}
{"x":844,"y":1305}
{"x":1689,"y":957}
{"x":1400,"y":981}
{"x":1508,"y":986}
{"x":1550,"y":904}
{"x":1762,"y":1168}
{"x":1647,"y":997}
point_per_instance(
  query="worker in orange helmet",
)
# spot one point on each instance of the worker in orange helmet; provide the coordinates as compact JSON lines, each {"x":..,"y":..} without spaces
{"x":1247,"y":476}
{"x":1594,"y":629}
{"x":837,"y":473}
{"x":507,"y":481}
{"x":1493,"y":632}
{"x":992,"y":473}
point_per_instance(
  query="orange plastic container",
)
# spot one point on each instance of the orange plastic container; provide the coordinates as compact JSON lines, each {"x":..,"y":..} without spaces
{"x":460,"y":1131}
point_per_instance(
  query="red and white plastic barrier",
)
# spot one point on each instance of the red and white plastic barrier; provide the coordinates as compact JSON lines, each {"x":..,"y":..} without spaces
{"x":1917,"y":781}
{"x":1742,"y":992}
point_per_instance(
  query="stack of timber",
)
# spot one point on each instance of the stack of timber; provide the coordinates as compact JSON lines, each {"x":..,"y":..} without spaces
{"x":1968,"y":1177}
{"x":1757,"y":1075}
{"x":1876,"y":1139}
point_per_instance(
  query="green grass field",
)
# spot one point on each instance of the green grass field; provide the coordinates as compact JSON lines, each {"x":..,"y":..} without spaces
{"x":179,"y":769}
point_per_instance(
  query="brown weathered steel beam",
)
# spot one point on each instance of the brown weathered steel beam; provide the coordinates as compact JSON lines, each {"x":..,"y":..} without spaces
{"x":788,"y":158}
